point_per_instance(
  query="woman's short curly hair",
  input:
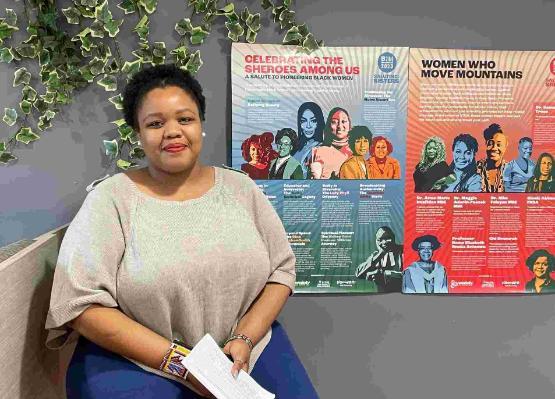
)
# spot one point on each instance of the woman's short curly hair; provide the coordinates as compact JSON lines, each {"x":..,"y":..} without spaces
{"x":159,"y":76}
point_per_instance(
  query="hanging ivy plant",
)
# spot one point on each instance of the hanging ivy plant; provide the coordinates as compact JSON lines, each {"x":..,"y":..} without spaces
{"x":72,"y":61}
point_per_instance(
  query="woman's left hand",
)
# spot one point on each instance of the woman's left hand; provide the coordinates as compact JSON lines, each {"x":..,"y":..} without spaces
{"x":240,"y":352}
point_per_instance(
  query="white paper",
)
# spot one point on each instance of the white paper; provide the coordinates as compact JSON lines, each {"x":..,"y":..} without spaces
{"x":212,"y":368}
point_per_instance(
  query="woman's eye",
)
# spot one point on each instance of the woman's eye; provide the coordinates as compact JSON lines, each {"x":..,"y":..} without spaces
{"x":185,"y":119}
{"x":154,"y":124}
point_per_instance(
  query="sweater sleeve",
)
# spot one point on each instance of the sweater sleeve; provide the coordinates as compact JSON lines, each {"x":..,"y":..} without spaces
{"x":268,"y":223}
{"x":87,"y":264}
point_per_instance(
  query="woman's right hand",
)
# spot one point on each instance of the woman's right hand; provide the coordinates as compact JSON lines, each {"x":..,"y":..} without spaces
{"x":205,"y":393}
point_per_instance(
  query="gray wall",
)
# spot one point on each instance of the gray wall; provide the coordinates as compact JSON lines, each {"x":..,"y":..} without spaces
{"x":386,"y":346}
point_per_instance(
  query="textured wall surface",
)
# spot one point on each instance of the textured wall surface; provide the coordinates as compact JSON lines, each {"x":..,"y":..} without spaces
{"x":386,"y":346}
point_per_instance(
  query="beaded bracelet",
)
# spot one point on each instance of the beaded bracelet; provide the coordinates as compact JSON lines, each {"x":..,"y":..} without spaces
{"x":173,"y":360}
{"x":242,"y":337}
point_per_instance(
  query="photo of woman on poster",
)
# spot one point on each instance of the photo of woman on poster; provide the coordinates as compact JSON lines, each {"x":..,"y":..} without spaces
{"x":285,"y":166}
{"x":384,"y":266}
{"x":463,"y":177}
{"x":541,"y":263}
{"x":432,"y":165}
{"x":492,"y":167}
{"x":381,"y":165}
{"x":518,"y":171}
{"x":310,"y":128}
{"x":425,"y":276}
{"x":326,"y":160}
{"x":355,"y":167}
{"x":257,"y":151}
{"x":542,"y":181}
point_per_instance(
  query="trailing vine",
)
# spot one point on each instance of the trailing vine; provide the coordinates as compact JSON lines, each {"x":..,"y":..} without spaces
{"x":80,"y":48}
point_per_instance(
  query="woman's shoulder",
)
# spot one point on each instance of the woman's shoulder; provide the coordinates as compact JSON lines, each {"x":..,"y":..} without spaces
{"x":234,"y":178}
{"x":115,"y":186}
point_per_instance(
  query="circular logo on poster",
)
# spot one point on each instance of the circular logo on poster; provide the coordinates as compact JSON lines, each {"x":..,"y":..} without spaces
{"x":552,"y":66}
{"x":387,"y":62}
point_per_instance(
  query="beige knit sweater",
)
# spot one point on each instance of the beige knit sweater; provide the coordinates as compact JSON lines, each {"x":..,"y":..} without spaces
{"x":180,"y":268}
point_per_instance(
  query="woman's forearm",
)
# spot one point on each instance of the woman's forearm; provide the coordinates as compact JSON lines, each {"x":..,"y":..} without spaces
{"x":264,"y":310}
{"x":113,"y":330}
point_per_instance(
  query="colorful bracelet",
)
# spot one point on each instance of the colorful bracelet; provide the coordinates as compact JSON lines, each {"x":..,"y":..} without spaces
{"x":173,"y":360}
{"x":240,"y":336}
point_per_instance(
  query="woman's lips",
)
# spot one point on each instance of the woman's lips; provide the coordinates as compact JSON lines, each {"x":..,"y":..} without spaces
{"x":175,"y":148}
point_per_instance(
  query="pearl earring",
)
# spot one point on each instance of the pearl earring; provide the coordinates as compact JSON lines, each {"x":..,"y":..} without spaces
{"x":203,"y":134}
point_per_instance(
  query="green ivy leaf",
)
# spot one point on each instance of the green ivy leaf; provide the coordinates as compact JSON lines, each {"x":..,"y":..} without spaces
{"x":2,"y":146}
{"x":48,"y":97}
{"x":117,"y":101}
{"x":183,"y":26}
{"x":251,"y":36}
{"x":47,"y":18}
{"x":159,"y":49}
{"x":142,"y":28}
{"x":63,"y":98}
{"x":227,"y":9}
{"x":25,"y":106}
{"x":194,"y":63}
{"x":6,"y":55}
{"x":181,"y":53}
{"x":266,"y":4}
{"x":25,"y":135}
{"x":29,"y":93}
{"x":148,"y":5}
{"x":235,"y":31}
{"x":11,"y":17}
{"x":287,"y":19}
{"x":292,"y":36}
{"x":96,"y":66}
{"x":109,"y":83}
{"x":123,"y":164}
{"x":111,"y":147}
{"x":73,"y":15}
{"x":131,"y":68}
{"x":253,"y":22}
{"x":86,"y":73}
{"x":128,"y":6}
{"x":53,"y":81}
{"x":45,"y":57}
{"x":41,"y":105}
{"x":86,"y":12}
{"x":125,"y":132}
{"x":102,"y":12}
{"x":44,"y":122}
{"x":22,"y":75}
{"x":233,"y":18}
{"x":309,"y":43}
{"x":137,"y":152}
{"x":245,"y":14}
{"x":26,"y":50}
{"x":10,"y":116}
{"x":303,"y":29}
{"x":112,"y":27}
{"x":89,"y":3}
{"x":112,"y":67}
{"x":197,"y":35}
{"x":6,"y":157}
{"x":6,"y":30}
{"x":119,"y":122}
{"x":200,"y":5}
{"x":276,"y":12}
{"x":97,"y":29}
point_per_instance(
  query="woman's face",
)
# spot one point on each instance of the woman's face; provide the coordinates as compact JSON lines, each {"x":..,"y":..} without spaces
{"x":425,"y":251}
{"x":432,"y":150}
{"x":496,"y":147}
{"x":340,"y":125}
{"x":284,"y":146}
{"x":254,"y":153}
{"x":308,"y":123}
{"x":540,"y":267}
{"x":546,"y":164}
{"x":383,"y":240}
{"x":170,"y":129}
{"x":362,"y":145}
{"x":381,"y":149}
{"x":462,"y":156}
{"x":525,"y":149}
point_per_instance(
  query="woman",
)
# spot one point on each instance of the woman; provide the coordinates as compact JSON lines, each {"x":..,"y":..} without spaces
{"x":360,"y":138}
{"x":326,"y":160}
{"x":425,"y":276}
{"x":432,"y":165}
{"x":543,"y":179}
{"x":492,"y":167}
{"x":381,"y":165}
{"x":285,"y":166}
{"x":257,"y":151}
{"x":518,"y":171}
{"x":310,"y":125}
{"x":463,"y":177}
{"x":171,"y":252}
{"x":541,"y":263}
